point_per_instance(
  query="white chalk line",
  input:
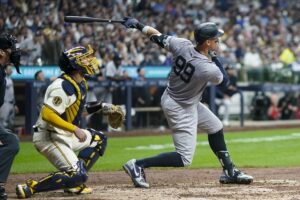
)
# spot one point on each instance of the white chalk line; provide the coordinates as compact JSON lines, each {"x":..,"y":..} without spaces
{"x":229,"y":141}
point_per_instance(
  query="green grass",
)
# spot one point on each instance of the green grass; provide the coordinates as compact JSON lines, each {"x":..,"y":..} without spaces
{"x":279,"y":153}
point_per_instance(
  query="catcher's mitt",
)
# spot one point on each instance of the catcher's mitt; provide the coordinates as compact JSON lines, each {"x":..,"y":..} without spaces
{"x":115,"y":115}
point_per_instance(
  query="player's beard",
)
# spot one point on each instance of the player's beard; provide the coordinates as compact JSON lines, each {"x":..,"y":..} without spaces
{"x":214,"y":49}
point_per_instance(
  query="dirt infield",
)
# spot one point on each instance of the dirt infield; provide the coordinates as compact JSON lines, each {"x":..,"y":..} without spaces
{"x":183,"y":184}
{"x":187,"y":184}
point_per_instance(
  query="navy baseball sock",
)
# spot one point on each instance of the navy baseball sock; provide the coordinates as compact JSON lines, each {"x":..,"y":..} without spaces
{"x":217,"y":141}
{"x":170,"y":159}
{"x":217,"y":144}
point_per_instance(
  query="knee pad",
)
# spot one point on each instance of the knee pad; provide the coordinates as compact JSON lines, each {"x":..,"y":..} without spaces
{"x":63,"y":179}
{"x":97,"y":148}
{"x":99,"y":141}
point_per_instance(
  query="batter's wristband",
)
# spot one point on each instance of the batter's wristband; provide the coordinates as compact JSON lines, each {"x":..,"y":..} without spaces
{"x":145,"y":29}
{"x":140,"y":26}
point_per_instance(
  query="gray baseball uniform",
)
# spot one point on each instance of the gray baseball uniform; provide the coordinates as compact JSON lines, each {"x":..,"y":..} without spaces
{"x":7,"y":110}
{"x":181,"y":104}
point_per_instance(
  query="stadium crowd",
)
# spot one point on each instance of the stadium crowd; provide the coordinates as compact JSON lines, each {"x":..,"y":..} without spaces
{"x":258,"y":33}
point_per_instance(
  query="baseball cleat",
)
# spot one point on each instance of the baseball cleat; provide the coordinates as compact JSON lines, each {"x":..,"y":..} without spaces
{"x":26,"y":190}
{"x":238,"y":177}
{"x":136,"y":174}
{"x":82,"y":189}
{"x":3,"y":195}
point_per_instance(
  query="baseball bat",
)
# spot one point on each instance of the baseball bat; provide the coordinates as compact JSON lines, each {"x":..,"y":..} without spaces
{"x":81,"y":19}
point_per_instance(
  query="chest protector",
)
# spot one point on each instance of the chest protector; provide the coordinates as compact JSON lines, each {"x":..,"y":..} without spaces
{"x":73,"y":113}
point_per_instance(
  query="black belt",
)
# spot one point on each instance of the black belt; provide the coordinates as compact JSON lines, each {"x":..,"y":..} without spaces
{"x":37,"y":129}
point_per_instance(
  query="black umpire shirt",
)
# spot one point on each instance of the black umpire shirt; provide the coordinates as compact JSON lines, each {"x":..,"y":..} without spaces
{"x":2,"y":85}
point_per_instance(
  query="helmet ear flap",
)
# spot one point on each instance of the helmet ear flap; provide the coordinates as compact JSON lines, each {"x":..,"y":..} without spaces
{"x":64,"y":63}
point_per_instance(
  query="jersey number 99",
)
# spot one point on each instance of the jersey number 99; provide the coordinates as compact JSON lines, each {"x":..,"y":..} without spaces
{"x":183,"y":69}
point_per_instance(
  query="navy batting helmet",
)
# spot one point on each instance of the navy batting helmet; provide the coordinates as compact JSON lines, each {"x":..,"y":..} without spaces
{"x":207,"y":30}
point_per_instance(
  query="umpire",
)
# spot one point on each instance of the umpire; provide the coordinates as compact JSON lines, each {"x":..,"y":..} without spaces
{"x":9,"y":143}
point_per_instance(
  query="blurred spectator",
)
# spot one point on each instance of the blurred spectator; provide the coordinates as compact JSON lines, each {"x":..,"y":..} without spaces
{"x":295,"y":67}
{"x":287,"y":56}
{"x":9,"y":108}
{"x":228,"y":93}
{"x":253,"y":65}
{"x":297,"y":114}
{"x":275,"y":63}
{"x":51,"y":47}
{"x":32,"y":50}
{"x":39,"y":77}
{"x":273,"y":111}
{"x":148,"y":59}
{"x":259,"y":106}
{"x":141,"y":97}
{"x":287,"y":106}
{"x":114,"y":72}
{"x":227,"y":58}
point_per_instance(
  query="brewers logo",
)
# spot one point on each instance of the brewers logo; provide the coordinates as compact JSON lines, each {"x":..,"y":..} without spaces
{"x":57,"y":101}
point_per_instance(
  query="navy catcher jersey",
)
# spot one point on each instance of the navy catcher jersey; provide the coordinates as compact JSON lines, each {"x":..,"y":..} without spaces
{"x":191,"y":71}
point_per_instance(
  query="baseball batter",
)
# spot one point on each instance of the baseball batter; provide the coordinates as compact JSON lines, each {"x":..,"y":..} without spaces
{"x":193,"y":67}
{"x":57,"y":135}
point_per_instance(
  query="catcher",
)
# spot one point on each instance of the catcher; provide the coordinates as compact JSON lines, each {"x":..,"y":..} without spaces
{"x":57,"y":133}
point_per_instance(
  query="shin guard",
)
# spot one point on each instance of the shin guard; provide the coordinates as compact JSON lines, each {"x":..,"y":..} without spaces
{"x":62,"y":179}
{"x":98,"y":145}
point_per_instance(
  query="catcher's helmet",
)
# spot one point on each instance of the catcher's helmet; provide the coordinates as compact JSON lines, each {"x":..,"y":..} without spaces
{"x":79,"y":58}
{"x":8,"y":41}
{"x":205,"y":31}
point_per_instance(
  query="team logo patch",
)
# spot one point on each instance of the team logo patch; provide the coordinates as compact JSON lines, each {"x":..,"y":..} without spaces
{"x":57,"y":101}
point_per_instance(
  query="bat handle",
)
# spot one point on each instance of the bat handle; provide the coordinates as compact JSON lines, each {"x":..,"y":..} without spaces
{"x":115,"y":21}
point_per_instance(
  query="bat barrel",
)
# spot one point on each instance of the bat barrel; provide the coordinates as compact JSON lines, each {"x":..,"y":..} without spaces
{"x":80,"y":19}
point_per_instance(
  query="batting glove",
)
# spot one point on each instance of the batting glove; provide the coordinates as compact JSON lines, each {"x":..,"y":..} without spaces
{"x":130,"y":22}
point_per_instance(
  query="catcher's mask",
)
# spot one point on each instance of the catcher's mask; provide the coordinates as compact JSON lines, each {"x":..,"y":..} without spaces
{"x":8,"y":41}
{"x":79,"y":58}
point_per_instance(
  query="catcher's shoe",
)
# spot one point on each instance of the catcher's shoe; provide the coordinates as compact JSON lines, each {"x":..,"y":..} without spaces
{"x":136,"y":174}
{"x":26,"y":190}
{"x":82,"y":189}
{"x":238,"y":177}
{"x":3,"y":195}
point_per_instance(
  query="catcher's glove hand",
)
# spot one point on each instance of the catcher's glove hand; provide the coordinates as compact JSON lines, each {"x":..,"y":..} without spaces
{"x":115,"y":114}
